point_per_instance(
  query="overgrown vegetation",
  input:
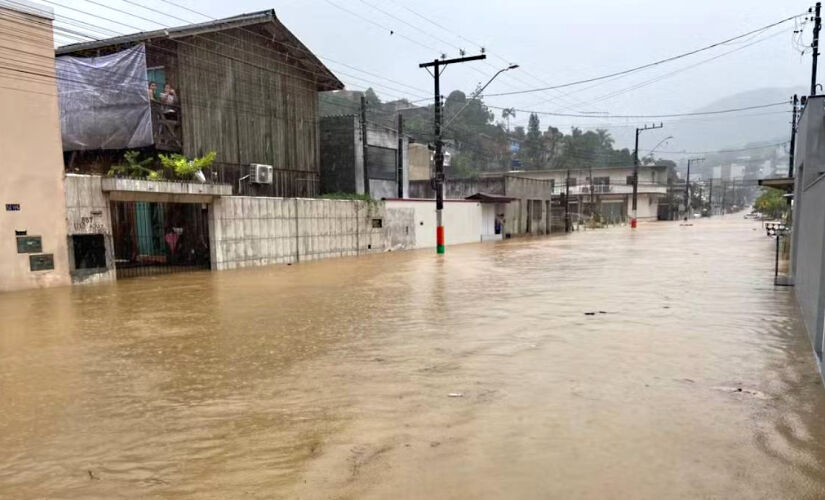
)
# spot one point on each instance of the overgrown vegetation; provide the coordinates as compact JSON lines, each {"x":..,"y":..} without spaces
{"x":771,"y":203}
{"x":183,"y":167}
{"x":481,"y":141}
{"x":135,"y":168}
{"x":179,"y":166}
{"x":348,"y":196}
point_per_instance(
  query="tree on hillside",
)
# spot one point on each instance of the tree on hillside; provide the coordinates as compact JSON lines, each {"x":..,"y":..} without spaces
{"x":533,"y":144}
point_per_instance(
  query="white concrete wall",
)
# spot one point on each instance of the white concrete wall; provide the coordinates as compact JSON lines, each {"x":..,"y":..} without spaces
{"x":647,"y":207}
{"x":462,"y":221}
{"x":87,"y":212}
{"x":252,"y":231}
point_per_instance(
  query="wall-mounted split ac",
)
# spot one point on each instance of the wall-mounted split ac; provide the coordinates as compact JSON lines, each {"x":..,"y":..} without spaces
{"x":260,"y":174}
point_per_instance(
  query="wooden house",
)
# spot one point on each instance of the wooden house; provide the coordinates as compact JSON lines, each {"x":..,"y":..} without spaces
{"x":247,"y":89}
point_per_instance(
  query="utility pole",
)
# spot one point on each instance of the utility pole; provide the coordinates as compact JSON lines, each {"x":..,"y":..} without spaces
{"x":566,"y":203}
{"x":724,"y":195}
{"x":636,"y":170}
{"x":815,"y":45}
{"x":592,"y":207}
{"x":687,"y":188}
{"x":437,"y":66}
{"x":399,"y":173}
{"x":710,"y":196}
{"x":793,"y":136}
{"x":364,"y":143}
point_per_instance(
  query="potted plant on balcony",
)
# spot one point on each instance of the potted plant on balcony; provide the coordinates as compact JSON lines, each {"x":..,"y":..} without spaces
{"x":187,"y":169}
{"x":134,"y":168}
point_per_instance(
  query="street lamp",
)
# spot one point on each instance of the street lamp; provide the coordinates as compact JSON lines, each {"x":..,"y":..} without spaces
{"x":479,"y":91}
{"x":660,"y":143}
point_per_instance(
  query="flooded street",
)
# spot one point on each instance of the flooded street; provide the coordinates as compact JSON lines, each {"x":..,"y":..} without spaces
{"x":404,"y":375}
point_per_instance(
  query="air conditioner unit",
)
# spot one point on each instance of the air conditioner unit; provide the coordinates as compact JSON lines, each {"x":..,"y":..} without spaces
{"x":260,"y":174}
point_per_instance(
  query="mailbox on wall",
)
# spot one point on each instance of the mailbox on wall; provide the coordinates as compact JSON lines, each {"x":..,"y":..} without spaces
{"x":29,"y":244}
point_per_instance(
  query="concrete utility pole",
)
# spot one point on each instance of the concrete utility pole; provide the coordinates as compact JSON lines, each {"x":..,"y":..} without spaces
{"x":364,"y":143}
{"x":566,"y":203}
{"x":687,"y":188}
{"x":710,"y":196}
{"x":793,"y":136}
{"x":399,"y":173}
{"x":438,"y":183}
{"x":636,"y":170}
{"x":815,"y":45}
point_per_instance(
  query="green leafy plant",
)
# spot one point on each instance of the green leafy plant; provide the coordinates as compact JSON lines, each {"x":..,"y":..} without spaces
{"x":772,"y":203}
{"x":183,"y":167}
{"x":135,"y":168}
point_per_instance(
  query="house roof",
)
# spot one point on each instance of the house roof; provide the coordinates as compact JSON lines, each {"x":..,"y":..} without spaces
{"x":490,"y":198}
{"x":327,"y":80}
{"x":783,"y":183}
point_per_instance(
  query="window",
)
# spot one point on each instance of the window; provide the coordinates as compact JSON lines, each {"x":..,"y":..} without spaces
{"x":571,"y":182}
{"x":629,"y":180}
{"x":377,"y":223}
{"x":89,"y":251}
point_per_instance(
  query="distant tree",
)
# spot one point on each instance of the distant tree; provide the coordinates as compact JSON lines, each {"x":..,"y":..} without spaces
{"x":771,"y":203}
{"x":372,"y":97}
{"x":506,"y":114}
{"x":533,"y":144}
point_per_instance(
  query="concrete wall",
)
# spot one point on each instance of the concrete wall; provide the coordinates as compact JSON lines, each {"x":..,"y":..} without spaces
{"x":87,"y":212}
{"x":808,"y":244}
{"x":462,"y":221}
{"x":342,"y":157}
{"x":419,"y":162}
{"x":340,"y":152}
{"x":246,"y":231}
{"x":31,"y":156}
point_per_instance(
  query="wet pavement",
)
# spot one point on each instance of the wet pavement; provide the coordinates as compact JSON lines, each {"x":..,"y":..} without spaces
{"x":405,"y":375}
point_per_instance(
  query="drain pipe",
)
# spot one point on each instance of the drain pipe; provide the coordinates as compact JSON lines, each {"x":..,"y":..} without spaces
{"x":245,"y":177}
{"x":297,"y":236}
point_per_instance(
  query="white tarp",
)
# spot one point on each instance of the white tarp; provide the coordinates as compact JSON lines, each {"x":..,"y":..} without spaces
{"x":104,"y":103}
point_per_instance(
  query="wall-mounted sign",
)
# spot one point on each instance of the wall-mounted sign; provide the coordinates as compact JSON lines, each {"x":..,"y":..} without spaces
{"x":12,"y":207}
{"x":29,"y":244}
{"x":41,"y":262}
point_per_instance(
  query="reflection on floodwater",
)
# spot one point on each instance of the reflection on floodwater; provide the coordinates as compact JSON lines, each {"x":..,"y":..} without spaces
{"x":407,"y":375}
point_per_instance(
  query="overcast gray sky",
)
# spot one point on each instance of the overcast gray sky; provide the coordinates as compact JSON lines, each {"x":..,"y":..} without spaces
{"x":553,"y":41}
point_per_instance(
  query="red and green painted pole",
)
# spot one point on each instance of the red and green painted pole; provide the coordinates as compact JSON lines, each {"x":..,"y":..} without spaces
{"x":438,"y":180}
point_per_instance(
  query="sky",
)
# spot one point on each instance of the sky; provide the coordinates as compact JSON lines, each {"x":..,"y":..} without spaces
{"x":553,"y":42}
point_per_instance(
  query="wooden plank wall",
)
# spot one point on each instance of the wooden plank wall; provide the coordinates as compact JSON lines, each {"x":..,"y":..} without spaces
{"x":241,"y":98}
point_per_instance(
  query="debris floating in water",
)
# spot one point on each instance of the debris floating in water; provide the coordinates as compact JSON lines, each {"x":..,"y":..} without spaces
{"x":455,"y":395}
{"x":590,"y":314}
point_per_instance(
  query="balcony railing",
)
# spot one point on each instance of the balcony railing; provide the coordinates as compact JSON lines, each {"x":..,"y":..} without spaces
{"x":166,"y":127}
{"x":584,"y":189}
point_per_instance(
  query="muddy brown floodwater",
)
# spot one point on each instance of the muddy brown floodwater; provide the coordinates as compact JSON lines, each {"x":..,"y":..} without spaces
{"x":405,"y":375}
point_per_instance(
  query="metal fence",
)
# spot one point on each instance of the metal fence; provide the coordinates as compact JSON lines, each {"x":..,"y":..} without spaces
{"x":158,"y":238}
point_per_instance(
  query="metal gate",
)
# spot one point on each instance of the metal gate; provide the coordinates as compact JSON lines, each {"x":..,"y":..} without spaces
{"x":158,"y":238}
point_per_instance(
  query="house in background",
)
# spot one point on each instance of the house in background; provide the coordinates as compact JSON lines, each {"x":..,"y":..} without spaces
{"x":517,"y":205}
{"x":342,"y":159}
{"x":246,"y":88}
{"x":33,"y":246}
{"x":607,"y":191}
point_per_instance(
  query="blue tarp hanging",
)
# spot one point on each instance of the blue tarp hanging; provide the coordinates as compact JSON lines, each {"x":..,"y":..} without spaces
{"x":104,"y":103}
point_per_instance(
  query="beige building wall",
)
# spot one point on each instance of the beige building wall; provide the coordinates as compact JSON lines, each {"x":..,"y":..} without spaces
{"x":31,"y":161}
{"x":419,"y":162}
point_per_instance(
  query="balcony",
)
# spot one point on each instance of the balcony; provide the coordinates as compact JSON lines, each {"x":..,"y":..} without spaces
{"x":618,"y":189}
{"x":125,"y":189}
{"x":166,"y":127}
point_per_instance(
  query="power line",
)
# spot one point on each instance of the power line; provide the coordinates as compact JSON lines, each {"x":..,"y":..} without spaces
{"x":669,"y":115}
{"x":649,"y":65}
